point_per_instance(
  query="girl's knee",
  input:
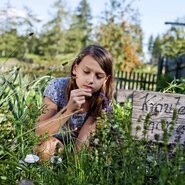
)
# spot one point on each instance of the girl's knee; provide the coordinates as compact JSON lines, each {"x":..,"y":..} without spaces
{"x":47,"y":148}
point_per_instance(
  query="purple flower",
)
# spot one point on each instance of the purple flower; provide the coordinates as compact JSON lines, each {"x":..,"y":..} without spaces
{"x":108,"y":109}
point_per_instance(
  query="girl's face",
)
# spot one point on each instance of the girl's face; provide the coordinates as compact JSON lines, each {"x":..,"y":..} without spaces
{"x":89,"y":74}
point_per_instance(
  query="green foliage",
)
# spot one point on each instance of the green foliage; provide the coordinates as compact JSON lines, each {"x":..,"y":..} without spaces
{"x":68,"y":32}
{"x":20,"y":100}
{"x":79,"y":33}
{"x":114,"y":156}
{"x":12,"y":43}
{"x":121,"y":34}
{"x":8,"y":43}
{"x":174,"y":37}
{"x":175,"y":86}
{"x":52,"y":36}
{"x":155,"y":49}
{"x":163,"y":46}
{"x":163,"y":82}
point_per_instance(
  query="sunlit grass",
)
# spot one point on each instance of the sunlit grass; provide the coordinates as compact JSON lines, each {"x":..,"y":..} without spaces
{"x":113,"y":157}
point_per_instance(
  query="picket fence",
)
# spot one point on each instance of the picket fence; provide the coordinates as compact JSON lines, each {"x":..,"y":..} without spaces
{"x":135,"y":81}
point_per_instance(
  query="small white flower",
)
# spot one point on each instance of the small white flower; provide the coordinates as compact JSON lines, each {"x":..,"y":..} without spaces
{"x":25,"y":182}
{"x":22,"y":163}
{"x":30,"y":158}
{"x":96,"y":141}
{"x":56,"y":160}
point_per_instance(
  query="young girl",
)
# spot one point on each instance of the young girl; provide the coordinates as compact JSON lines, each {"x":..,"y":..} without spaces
{"x":73,"y":103}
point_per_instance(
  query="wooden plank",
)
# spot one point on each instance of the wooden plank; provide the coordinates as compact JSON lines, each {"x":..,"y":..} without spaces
{"x":122,"y":95}
{"x":160,"y":106}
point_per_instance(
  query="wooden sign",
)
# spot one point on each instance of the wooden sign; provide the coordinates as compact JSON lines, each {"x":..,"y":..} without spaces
{"x":122,"y":95}
{"x":163,"y":111}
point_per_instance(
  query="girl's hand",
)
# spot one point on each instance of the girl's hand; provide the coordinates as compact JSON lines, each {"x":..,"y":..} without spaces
{"x":77,"y":99}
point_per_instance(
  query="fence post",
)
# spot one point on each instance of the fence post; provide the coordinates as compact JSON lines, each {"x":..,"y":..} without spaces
{"x":159,"y":71}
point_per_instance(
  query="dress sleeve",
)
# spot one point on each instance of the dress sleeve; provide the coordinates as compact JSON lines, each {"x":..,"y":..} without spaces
{"x":53,"y":92}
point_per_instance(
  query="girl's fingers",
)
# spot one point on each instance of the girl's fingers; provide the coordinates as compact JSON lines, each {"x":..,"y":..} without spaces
{"x":78,"y":98}
{"x":79,"y":101}
{"x":81,"y":92}
{"x":77,"y":104}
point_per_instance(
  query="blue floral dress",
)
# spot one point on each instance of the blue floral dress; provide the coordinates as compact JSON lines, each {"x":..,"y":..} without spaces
{"x":55,"y":92}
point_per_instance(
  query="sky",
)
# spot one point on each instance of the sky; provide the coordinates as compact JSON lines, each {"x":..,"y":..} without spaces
{"x":153,"y":13}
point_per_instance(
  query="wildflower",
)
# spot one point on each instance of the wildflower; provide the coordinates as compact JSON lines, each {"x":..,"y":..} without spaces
{"x":106,"y":102}
{"x":25,"y":182}
{"x":22,"y":163}
{"x":108,"y":109}
{"x":56,"y":160}
{"x":30,"y":158}
{"x":96,"y":141}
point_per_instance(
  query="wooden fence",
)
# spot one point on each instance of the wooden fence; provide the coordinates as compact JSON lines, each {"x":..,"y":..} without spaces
{"x":135,"y":81}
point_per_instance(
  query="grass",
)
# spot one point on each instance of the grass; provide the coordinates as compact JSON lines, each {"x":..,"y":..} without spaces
{"x":115,"y":156}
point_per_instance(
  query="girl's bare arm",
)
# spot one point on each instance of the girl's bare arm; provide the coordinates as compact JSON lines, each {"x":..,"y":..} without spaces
{"x":51,"y":120}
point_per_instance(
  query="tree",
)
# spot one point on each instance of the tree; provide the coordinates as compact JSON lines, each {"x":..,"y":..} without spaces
{"x":14,"y":32}
{"x":52,"y":38}
{"x":79,"y":33}
{"x":122,"y":35}
{"x":8,"y":43}
{"x":169,"y":45}
{"x":155,"y":49}
{"x":173,"y":42}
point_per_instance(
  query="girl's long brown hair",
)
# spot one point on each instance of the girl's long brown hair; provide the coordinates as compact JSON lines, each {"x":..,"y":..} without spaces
{"x":104,"y":58}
